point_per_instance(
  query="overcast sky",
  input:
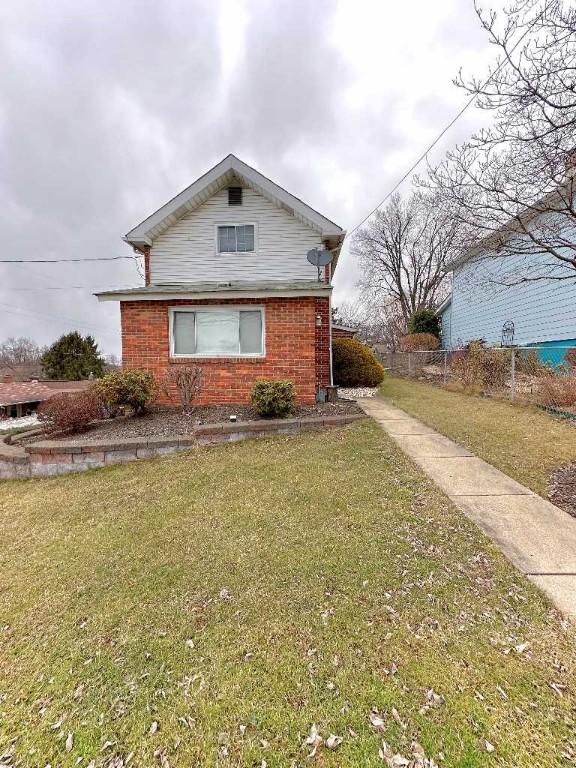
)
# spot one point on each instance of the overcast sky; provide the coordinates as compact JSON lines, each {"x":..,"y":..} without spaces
{"x":108,"y":109}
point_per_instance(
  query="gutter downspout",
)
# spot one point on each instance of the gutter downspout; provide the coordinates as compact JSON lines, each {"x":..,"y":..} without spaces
{"x":329,"y":281}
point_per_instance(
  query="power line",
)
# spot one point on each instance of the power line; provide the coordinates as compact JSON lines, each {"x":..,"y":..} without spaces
{"x":470,"y":101}
{"x":15,"y":310}
{"x":60,"y":288}
{"x":64,"y":261}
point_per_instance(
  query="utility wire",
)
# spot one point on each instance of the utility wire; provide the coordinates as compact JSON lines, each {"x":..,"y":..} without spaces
{"x":470,"y":101}
{"x":8,"y":309}
{"x":64,"y":261}
{"x":61,"y":288}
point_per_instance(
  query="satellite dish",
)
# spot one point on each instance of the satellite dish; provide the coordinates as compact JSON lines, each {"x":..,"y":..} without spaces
{"x":319,"y":258}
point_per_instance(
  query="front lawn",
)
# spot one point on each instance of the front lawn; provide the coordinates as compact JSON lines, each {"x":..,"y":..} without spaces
{"x":209,"y":609}
{"x":522,"y":441}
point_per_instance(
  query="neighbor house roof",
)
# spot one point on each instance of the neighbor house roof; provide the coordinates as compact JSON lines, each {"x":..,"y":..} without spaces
{"x":445,"y":304}
{"x":227,"y":172}
{"x":229,"y":290}
{"x":346,"y":328}
{"x":19,"y":392}
{"x":21,"y":371}
{"x":514,"y":225}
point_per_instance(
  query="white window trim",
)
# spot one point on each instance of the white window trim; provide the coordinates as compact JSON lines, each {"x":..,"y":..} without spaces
{"x":235,"y":224}
{"x":217,"y":308}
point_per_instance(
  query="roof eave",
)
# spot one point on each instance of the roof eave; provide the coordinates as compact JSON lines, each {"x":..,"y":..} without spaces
{"x":165,"y":293}
{"x":142,"y":234}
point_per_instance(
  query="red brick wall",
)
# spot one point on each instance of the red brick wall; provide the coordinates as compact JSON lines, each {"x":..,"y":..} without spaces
{"x":296,"y":347}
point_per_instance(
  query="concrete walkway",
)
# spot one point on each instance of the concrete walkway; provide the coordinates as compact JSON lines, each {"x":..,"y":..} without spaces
{"x":538,"y":537}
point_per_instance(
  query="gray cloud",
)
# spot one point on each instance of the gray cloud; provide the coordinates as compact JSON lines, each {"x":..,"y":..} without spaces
{"x":108,"y":109}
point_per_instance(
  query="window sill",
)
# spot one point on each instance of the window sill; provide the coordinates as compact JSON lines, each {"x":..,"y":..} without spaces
{"x":216,"y":359}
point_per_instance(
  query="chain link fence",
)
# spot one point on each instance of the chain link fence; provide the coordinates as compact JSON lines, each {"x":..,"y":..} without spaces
{"x":541,"y":376}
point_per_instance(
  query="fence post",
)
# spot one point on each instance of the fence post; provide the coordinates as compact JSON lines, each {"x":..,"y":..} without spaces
{"x":513,"y":375}
{"x":409,"y":363}
{"x":445,"y":366}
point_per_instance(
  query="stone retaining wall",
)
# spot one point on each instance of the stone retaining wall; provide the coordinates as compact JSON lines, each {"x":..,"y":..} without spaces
{"x":56,"y":457}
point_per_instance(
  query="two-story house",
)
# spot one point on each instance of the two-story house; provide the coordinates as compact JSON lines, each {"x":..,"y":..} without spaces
{"x":228,"y":287}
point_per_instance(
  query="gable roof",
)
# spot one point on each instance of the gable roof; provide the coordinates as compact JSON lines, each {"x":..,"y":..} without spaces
{"x":226,"y":173}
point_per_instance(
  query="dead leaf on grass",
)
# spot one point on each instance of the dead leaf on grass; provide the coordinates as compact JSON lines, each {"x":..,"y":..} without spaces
{"x":313,"y":740}
{"x":333,"y":741}
{"x":398,"y":719}
{"x":376,"y":720}
{"x":433,"y":701}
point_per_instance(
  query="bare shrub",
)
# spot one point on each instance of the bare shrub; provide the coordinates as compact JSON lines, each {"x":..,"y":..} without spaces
{"x":188,"y":382}
{"x":570,"y":358}
{"x":529,"y":363}
{"x":419,"y":342}
{"x":556,"y":390}
{"x":69,"y":413}
{"x":480,"y":368}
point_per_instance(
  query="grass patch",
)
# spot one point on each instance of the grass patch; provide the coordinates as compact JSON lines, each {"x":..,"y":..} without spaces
{"x":315,"y":577}
{"x":522,"y":441}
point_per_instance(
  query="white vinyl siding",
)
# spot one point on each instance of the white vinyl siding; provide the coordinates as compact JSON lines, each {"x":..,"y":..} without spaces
{"x":217,"y":332}
{"x":188,"y":251}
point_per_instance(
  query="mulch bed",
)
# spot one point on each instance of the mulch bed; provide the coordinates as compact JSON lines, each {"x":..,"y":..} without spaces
{"x":166,"y":422}
{"x":562,"y":489}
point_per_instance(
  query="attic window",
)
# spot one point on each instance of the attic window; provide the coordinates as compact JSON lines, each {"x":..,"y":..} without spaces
{"x":235,"y":238}
{"x":234,"y":195}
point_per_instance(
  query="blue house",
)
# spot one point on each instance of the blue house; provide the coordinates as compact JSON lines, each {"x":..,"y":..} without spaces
{"x":489,"y":301}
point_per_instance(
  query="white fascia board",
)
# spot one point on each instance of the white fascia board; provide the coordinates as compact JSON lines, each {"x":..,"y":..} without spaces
{"x":208,"y":295}
{"x":328,"y":229}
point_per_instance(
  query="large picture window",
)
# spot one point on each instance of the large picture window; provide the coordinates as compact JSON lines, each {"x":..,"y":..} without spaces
{"x":217,"y":332}
{"x":235,"y":238}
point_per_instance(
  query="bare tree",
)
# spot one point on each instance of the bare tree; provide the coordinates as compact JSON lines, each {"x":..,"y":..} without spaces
{"x":403,"y":251}
{"x":513,"y":184}
{"x":376,"y":321}
{"x":17,"y":351}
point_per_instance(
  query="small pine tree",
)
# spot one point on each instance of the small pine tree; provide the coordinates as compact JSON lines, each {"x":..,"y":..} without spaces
{"x":425,"y":321}
{"x":72,"y":357}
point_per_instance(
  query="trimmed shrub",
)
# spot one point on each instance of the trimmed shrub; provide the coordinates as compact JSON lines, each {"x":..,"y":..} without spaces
{"x":354,"y":364}
{"x":273,"y":399}
{"x":419,"y":342}
{"x":130,"y":388}
{"x":69,"y":413}
{"x":425,"y":321}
